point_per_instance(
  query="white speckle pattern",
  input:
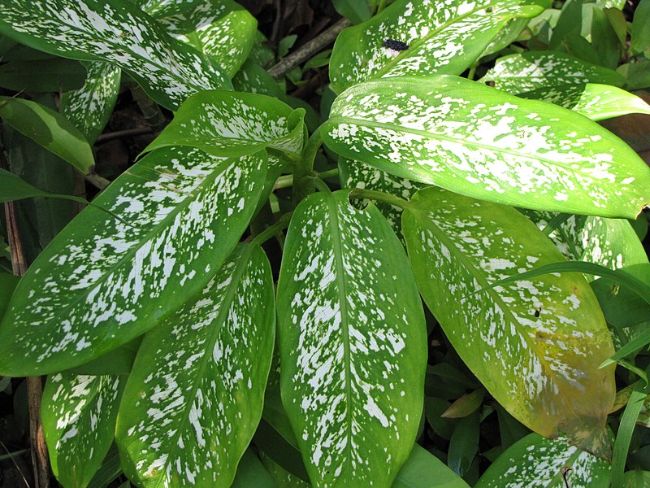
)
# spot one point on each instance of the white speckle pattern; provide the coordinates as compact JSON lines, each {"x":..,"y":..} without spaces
{"x":612,"y":243}
{"x":180,"y":213}
{"x":195,"y":396}
{"x":478,"y":141}
{"x":119,"y":33}
{"x":352,"y":343}
{"x":90,"y":107}
{"x":227,"y":123}
{"x":78,"y":414}
{"x":535,"y":345}
{"x":355,"y":174}
{"x":443,"y":36}
{"x":535,"y":462}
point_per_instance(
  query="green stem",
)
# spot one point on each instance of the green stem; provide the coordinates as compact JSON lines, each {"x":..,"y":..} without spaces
{"x":286,"y":181}
{"x":380,"y":196}
{"x":320,"y":185}
{"x":281,"y":224}
{"x":472,"y":72}
{"x":304,"y":168}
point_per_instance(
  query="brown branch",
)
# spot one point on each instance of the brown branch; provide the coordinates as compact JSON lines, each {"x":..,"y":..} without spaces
{"x":136,"y":131}
{"x":308,"y":49}
{"x":34,"y":383}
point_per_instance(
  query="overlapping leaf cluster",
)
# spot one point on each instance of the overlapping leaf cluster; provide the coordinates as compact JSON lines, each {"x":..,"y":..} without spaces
{"x":155,"y":312}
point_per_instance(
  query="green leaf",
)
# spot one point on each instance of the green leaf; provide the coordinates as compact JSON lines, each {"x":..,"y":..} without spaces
{"x":423,"y":470}
{"x":637,"y":74}
{"x":46,"y":75}
{"x":12,"y":187}
{"x":437,"y":38}
{"x":545,"y":463}
{"x":465,"y":405}
{"x":194,"y":398}
{"x":104,"y":281}
{"x":117,"y":32}
{"x":232,"y":123}
{"x":567,"y":81}
{"x":222,"y":30}
{"x":78,"y":414}
{"x":478,"y":141}
{"x":535,"y":346}
{"x":49,"y":129}
{"x":282,"y":477}
{"x":612,"y":243}
{"x":463,"y":445}
{"x":355,"y":10}
{"x":356,"y":174}
{"x":8,"y":283}
{"x":252,"y":473}
{"x":546,"y":70}
{"x":253,"y":78}
{"x":352,"y":343}
{"x":90,"y":107}
{"x":624,"y":434}
{"x":641,"y":28}
{"x":637,"y":479}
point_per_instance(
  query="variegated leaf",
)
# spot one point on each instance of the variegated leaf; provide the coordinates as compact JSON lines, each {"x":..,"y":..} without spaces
{"x":478,"y":141}
{"x":609,"y":242}
{"x":117,"y":32}
{"x":597,"y":102}
{"x":220,"y":29}
{"x":194,"y":398}
{"x":352,"y":343}
{"x":233,"y":123}
{"x":420,"y":38}
{"x":535,"y":462}
{"x":570,"y":82}
{"x":355,"y":174}
{"x":547,"y":70}
{"x":105,"y":280}
{"x":78,"y":414}
{"x":90,"y":107}
{"x":535,"y":345}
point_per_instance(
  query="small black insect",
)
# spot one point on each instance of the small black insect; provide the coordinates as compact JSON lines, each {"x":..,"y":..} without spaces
{"x":395,"y":45}
{"x":537,"y":312}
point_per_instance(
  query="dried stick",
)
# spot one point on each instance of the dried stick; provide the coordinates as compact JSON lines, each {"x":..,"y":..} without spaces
{"x":309,"y":49}
{"x":34,"y":383}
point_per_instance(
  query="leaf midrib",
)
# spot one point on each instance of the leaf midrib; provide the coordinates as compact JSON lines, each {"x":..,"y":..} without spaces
{"x":415,"y":45}
{"x":434,"y":136}
{"x":340,"y":278}
{"x":204,"y":361}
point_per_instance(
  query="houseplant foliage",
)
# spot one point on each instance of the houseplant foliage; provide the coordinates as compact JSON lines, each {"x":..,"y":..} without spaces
{"x":213,"y":327}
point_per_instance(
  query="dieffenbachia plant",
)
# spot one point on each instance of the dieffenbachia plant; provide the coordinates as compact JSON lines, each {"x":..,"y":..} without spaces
{"x":154,"y":311}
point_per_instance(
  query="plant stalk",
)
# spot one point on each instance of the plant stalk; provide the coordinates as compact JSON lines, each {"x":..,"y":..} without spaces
{"x":34,"y":383}
{"x":302,"y":185}
{"x":381,"y":196}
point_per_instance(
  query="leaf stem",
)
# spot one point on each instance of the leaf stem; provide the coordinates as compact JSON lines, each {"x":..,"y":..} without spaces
{"x":281,"y":224}
{"x":286,"y":181}
{"x":302,"y":185}
{"x":624,"y":435}
{"x":381,"y":196}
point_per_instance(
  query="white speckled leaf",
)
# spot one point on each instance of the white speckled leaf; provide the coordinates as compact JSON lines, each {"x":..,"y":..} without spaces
{"x":609,"y":242}
{"x":78,"y":414}
{"x":195,"y":396}
{"x":90,"y":107}
{"x":102,"y":281}
{"x":432,"y":37}
{"x":221,"y":29}
{"x":534,"y":70}
{"x":355,"y":174}
{"x":561,"y":79}
{"x":117,"y":32}
{"x":535,"y":462}
{"x":535,"y":345}
{"x":352,"y":343}
{"x":234,"y":123}
{"x":481,"y":142}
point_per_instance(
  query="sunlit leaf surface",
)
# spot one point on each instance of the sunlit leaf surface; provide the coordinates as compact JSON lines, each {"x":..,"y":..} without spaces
{"x":352,"y":343}
{"x":195,"y":395}
{"x":421,"y":37}
{"x":117,"y":32}
{"x":104,"y":279}
{"x":535,"y":345}
{"x":478,"y":141}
